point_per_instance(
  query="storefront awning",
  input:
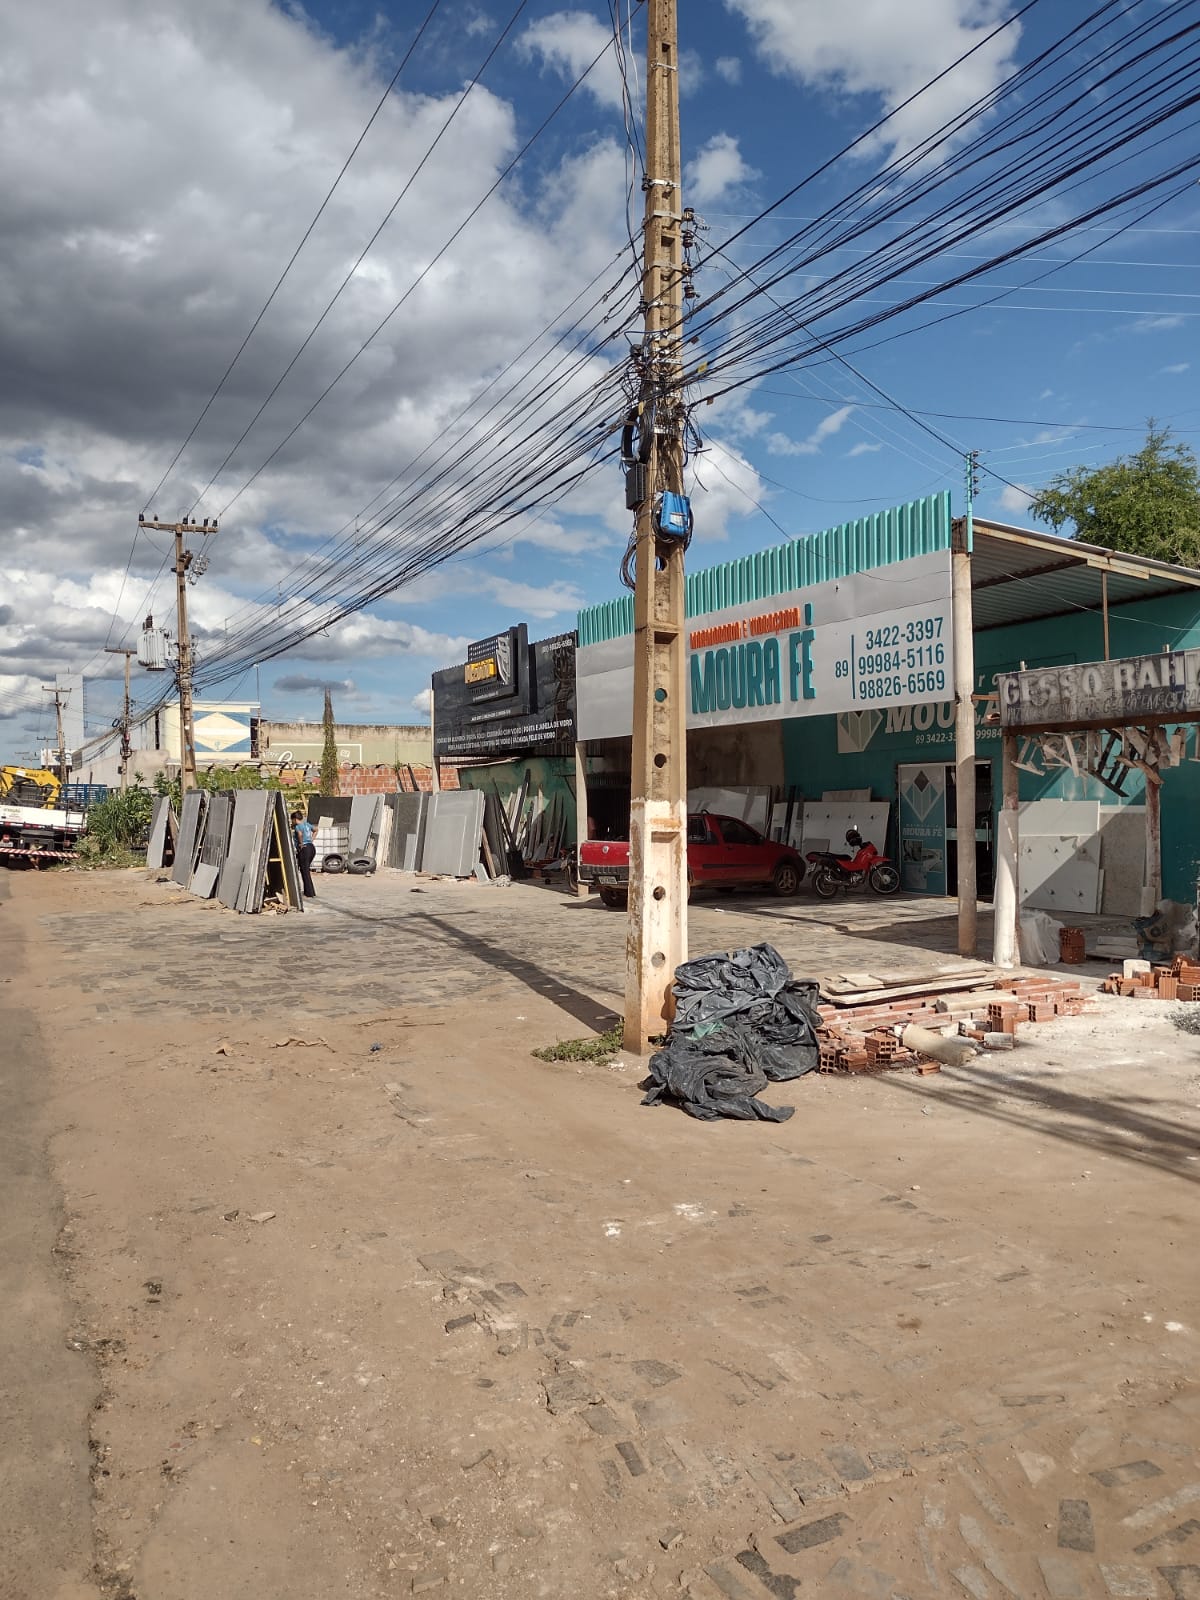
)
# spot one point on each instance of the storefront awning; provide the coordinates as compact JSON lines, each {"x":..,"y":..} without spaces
{"x":1018,"y":575}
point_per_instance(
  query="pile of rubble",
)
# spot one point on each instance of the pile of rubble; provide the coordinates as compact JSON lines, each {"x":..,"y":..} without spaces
{"x":871,"y":1037}
{"x":1138,"y":980}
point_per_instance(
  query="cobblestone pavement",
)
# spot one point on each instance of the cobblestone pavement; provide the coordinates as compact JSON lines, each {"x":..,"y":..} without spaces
{"x":397,"y":1309}
{"x":401,"y":940}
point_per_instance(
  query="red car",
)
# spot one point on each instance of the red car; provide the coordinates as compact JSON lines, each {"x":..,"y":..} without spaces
{"x":723,"y":852}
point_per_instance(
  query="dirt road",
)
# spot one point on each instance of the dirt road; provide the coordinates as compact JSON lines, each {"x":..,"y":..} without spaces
{"x":369,"y":1302}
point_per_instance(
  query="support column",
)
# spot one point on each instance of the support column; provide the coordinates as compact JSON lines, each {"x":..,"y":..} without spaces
{"x":964,"y":750}
{"x":1006,"y":902}
{"x":1154,"y":887}
{"x":581,"y":814}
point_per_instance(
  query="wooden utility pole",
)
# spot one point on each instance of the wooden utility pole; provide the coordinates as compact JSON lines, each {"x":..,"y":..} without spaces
{"x":183,"y":669}
{"x":116,"y":650}
{"x":657,"y":941}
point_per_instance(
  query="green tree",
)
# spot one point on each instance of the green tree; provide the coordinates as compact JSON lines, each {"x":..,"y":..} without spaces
{"x":1147,"y":504}
{"x":329,"y":758}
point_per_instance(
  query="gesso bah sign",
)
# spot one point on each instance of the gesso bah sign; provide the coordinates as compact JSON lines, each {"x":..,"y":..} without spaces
{"x":870,"y":640}
{"x":1158,"y":688}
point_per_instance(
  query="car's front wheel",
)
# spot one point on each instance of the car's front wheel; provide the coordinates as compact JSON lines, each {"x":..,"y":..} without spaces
{"x":786,"y":879}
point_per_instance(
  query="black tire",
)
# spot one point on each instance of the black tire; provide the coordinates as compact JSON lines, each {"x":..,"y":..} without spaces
{"x":360,"y":866}
{"x":333,"y":863}
{"x":884,"y":878}
{"x":824,"y":883}
{"x":614,"y":899}
{"x":787,"y":879}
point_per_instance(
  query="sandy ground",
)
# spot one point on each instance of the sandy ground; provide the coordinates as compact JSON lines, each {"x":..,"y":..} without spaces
{"x":335,"y":1290}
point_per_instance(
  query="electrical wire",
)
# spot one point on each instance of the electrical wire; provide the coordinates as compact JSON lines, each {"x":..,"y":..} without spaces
{"x":1045,"y":147}
{"x":304,"y":238}
{"x":421,"y":276}
{"x":390,"y":213}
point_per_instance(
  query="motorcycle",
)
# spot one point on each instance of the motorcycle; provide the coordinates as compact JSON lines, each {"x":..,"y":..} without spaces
{"x":833,"y":872}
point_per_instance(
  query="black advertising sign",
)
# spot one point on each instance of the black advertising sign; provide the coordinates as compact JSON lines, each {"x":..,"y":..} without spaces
{"x":509,"y":698}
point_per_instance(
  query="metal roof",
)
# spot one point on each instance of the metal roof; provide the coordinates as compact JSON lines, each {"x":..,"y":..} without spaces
{"x":1018,"y":575}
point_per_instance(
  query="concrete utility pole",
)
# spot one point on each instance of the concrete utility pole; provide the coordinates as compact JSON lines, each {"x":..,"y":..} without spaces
{"x":60,"y":754}
{"x":183,"y":670}
{"x":657,"y":941}
{"x":116,"y":650}
{"x":964,"y":719}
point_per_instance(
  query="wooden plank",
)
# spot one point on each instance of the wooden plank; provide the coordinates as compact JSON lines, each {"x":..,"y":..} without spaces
{"x":934,"y":988}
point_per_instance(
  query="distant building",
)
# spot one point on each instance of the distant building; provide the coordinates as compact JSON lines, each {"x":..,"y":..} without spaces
{"x":226,"y":736}
{"x":359,"y":744}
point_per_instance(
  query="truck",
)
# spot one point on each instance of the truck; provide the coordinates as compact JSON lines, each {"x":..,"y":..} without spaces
{"x":35,"y":826}
{"x":722,"y":852}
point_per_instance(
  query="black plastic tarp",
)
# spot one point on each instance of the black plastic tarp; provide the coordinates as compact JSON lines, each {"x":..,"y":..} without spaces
{"x":741,"y":1021}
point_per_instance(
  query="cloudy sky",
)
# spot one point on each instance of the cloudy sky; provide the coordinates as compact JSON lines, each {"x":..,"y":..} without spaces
{"x":159,"y":165}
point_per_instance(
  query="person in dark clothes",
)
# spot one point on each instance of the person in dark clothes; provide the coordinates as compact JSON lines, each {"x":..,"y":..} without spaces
{"x":305,"y":851}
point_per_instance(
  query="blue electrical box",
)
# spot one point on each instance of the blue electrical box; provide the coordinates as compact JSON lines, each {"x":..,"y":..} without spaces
{"x":673,"y":516}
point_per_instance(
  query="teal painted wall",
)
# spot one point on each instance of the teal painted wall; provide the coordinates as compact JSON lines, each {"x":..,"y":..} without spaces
{"x":813,"y":762}
{"x":914,"y":529}
{"x":549,"y":775}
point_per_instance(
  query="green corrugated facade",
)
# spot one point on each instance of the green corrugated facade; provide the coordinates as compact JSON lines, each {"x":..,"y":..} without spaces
{"x":915,"y":529}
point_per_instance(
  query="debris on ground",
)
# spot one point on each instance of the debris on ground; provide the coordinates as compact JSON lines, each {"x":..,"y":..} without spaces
{"x":741,"y":1021}
{"x":872,"y":1035}
{"x":948,"y":1049}
{"x":282,"y":1044}
{"x":1139,"y":980}
{"x":1169,"y":929}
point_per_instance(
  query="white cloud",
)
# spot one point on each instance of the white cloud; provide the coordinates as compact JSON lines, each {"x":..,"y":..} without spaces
{"x":729,"y":68}
{"x":723,"y":486}
{"x":113,"y":336}
{"x":565,"y":43}
{"x":887,"y":52}
{"x":422,"y":702}
{"x":717,"y":168}
{"x":534,"y":600}
{"x":1155,"y":324}
{"x":862,"y":449}
{"x":1046,"y":394}
{"x":1014,"y":498}
{"x":1176,"y":368}
{"x":780,"y":445}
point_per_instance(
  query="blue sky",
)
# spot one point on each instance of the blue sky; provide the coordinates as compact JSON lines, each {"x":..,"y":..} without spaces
{"x":142,"y":244}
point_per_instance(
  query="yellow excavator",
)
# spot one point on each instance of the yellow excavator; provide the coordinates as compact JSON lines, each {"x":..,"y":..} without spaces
{"x":29,"y":786}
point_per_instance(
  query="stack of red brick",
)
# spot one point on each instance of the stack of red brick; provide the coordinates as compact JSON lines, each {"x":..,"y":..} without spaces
{"x":1179,"y":981}
{"x":863,"y":1038}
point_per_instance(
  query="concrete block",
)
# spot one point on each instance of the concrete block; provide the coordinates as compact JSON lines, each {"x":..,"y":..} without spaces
{"x":1126,"y":1472}
{"x":1075,"y":1530}
{"x":1127,"y":1582}
{"x":812,"y":1533}
{"x":1063,"y":1577}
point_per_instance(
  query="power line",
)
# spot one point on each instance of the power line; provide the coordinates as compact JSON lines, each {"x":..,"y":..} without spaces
{"x":312,"y":332}
{"x":378,"y":329}
{"x":304,"y":238}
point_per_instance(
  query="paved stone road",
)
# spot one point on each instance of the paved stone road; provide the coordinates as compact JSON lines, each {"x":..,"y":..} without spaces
{"x":506,"y":1331}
